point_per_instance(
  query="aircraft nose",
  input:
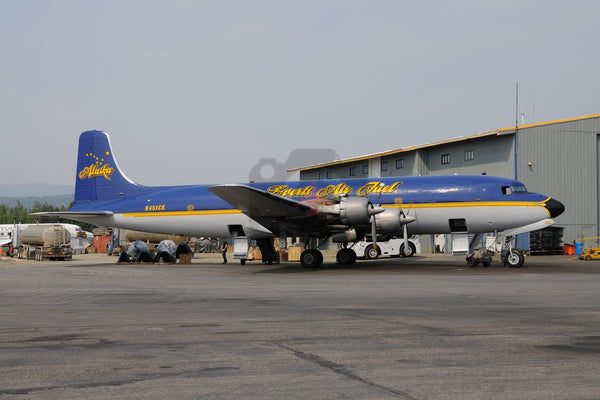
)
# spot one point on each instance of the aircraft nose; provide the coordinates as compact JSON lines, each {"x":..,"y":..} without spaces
{"x":555,"y":208}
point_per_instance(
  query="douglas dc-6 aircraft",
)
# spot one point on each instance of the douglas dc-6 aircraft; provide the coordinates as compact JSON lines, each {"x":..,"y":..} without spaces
{"x":345,"y":210}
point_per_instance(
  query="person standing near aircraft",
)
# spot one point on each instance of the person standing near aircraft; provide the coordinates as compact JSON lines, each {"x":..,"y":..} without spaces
{"x":223,"y":250}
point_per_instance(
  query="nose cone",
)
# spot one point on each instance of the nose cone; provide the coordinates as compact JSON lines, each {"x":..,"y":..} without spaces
{"x":555,"y":208}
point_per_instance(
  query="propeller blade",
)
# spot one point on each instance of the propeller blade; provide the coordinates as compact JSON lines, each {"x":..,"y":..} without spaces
{"x":374,"y":231}
{"x":405,"y":234}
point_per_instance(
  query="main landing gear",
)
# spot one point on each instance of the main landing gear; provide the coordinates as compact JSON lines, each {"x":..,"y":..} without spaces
{"x":313,"y":258}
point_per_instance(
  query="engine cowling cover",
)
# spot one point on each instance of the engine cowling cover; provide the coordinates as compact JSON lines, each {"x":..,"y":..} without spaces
{"x":389,"y":221}
{"x":354,"y":210}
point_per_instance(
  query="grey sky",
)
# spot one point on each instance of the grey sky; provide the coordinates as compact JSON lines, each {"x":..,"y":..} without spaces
{"x":200,"y":91}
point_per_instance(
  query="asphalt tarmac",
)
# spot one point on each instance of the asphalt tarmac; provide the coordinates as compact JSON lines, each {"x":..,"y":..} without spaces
{"x":427,"y":327}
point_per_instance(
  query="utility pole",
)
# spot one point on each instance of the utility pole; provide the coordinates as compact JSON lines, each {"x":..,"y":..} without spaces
{"x":516,"y":129}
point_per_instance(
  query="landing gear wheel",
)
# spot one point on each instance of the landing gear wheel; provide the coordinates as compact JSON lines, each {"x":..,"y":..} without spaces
{"x":346,"y":256}
{"x":411,"y":250}
{"x":242,"y":261}
{"x":515,"y":259}
{"x":311,"y":258}
{"x":372,"y":252}
{"x":471,"y":262}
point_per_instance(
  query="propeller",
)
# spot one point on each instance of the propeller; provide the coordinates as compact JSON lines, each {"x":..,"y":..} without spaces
{"x":405,"y":221}
{"x":373,"y":223}
{"x":374,"y":231}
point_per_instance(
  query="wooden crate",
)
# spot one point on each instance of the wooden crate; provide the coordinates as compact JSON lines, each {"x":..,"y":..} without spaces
{"x":294,"y":253}
{"x":185,"y":258}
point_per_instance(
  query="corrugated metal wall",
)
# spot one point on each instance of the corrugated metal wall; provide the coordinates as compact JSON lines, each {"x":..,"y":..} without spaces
{"x":564,"y":165}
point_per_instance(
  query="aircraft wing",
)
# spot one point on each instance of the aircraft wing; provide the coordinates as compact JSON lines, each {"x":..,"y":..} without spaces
{"x":275,"y":213}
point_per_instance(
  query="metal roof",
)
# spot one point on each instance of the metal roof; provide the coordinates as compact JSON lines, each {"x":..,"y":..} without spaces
{"x":501,"y":131}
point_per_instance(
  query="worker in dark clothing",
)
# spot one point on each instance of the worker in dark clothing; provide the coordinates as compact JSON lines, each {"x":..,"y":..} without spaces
{"x":223,"y":250}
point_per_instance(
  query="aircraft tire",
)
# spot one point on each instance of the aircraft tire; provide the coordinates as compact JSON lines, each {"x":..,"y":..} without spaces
{"x":411,"y":250}
{"x":372,"y":252}
{"x":515,"y":259}
{"x":346,"y":256}
{"x":471,"y":262}
{"x":311,"y":258}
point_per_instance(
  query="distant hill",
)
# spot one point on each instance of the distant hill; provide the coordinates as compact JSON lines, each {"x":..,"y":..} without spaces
{"x":27,"y":202}
{"x":34,"y":190}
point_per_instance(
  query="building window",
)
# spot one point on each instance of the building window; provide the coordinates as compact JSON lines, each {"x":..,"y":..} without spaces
{"x":400,"y":163}
{"x":329,"y":174}
{"x":365,"y":169}
{"x":321,"y":175}
{"x":352,"y":171}
{"x":384,"y":165}
{"x":469,"y":155}
{"x":445,"y":159}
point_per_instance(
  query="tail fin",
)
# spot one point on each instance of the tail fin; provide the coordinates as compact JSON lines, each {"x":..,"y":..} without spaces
{"x":98,"y":174}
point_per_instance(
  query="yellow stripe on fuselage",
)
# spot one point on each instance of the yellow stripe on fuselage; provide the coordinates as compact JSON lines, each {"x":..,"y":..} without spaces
{"x":182,"y":213}
{"x":471,"y":204}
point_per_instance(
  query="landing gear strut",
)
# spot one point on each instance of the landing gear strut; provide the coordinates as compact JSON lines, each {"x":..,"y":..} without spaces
{"x":511,"y":256}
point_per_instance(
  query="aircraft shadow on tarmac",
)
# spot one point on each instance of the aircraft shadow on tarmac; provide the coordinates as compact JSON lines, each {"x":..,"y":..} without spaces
{"x":385,"y":264}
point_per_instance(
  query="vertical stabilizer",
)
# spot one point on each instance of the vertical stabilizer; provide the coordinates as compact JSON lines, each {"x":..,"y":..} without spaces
{"x":98,"y":174}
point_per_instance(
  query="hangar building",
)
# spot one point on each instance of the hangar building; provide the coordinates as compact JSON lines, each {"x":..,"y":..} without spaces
{"x":559,"y":158}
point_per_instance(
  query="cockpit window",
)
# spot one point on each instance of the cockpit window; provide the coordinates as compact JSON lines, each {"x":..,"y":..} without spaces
{"x":520,"y":188}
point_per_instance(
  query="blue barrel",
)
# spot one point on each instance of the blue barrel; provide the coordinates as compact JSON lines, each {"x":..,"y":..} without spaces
{"x":578,"y":247}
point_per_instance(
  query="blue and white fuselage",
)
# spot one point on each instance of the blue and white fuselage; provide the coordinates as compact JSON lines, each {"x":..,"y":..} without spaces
{"x":430,"y":204}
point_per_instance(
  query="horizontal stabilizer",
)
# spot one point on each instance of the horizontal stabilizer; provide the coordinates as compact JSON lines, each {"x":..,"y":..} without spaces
{"x":68,"y":214}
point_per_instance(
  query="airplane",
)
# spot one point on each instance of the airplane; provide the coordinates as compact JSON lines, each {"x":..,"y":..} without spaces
{"x":344,"y":210}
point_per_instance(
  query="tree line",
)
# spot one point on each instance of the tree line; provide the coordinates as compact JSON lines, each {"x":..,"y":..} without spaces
{"x":22,"y":215}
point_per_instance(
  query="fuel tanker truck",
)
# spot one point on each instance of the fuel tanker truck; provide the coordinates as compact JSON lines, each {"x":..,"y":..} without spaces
{"x":43,"y":242}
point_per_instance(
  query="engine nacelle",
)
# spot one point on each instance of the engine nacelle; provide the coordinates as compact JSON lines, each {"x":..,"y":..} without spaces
{"x":345,"y":237}
{"x":355,"y":210}
{"x":391,"y":221}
